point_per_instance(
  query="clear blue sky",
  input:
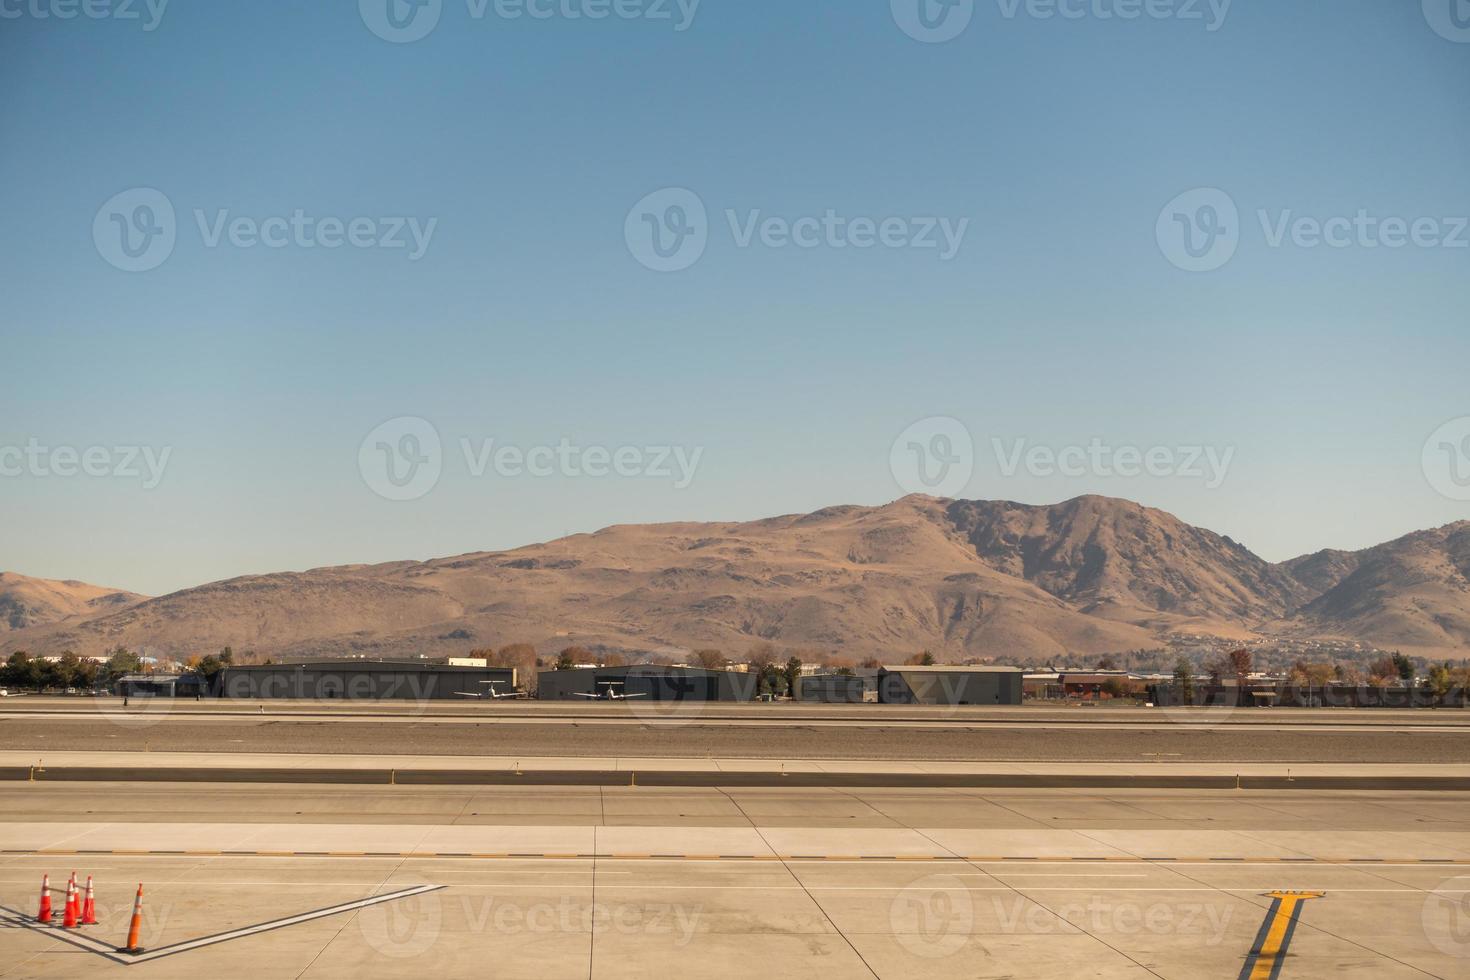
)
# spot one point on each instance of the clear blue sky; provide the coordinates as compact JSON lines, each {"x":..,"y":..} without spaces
{"x":529,"y":320}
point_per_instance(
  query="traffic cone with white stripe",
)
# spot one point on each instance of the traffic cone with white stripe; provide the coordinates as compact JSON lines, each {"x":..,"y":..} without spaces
{"x":69,"y":917}
{"x":135,"y":928}
{"x":44,"y":915}
{"x":74,"y":907}
{"x":89,"y":906}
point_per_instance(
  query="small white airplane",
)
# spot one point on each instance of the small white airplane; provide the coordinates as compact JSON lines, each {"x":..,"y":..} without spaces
{"x":491,"y":693}
{"x":610,"y":692}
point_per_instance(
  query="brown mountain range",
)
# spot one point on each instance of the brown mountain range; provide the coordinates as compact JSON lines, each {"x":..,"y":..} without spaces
{"x":26,"y":602}
{"x":960,"y":578}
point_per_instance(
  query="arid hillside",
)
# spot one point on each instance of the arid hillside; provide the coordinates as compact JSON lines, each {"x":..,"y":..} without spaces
{"x":959,"y":578}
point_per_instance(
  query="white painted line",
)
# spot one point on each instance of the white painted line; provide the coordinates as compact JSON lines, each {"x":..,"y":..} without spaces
{"x":281,"y":923}
{"x":13,"y":918}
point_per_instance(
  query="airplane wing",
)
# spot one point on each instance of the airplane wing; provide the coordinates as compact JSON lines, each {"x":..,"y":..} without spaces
{"x":579,"y":694}
{"x":467,"y":694}
{"x":627,"y":696}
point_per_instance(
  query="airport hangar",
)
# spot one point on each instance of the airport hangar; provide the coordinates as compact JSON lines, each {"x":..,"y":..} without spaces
{"x":361,"y":680}
{"x":892,"y":685}
{"x":648,"y":682}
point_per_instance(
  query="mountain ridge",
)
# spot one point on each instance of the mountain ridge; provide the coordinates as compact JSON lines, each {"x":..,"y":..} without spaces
{"x":963,"y":578}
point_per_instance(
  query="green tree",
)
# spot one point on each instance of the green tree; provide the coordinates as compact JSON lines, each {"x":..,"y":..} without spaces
{"x":1440,"y":680}
{"x":121,"y":661}
{"x":19,"y":671}
{"x":47,"y":674}
{"x":1404,"y":667}
{"x":792,"y":675}
{"x":1184,"y":680}
{"x":567,"y":659}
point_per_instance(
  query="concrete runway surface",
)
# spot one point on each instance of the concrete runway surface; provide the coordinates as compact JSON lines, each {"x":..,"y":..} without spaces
{"x":581,"y":882}
{"x":790,"y":731}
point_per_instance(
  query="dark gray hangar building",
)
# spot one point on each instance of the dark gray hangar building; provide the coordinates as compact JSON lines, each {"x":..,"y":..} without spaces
{"x":949,"y":685}
{"x":645,"y":682}
{"x":362,"y":680}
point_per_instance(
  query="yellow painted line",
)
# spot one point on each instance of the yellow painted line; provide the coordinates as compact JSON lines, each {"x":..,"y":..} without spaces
{"x":1268,"y":954}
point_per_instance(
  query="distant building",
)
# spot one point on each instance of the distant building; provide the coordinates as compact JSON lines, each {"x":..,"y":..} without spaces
{"x":159,"y":685}
{"x":360,"y":680}
{"x":834,"y":689}
{"x":646,"y":682}
{"x":949,"y":685}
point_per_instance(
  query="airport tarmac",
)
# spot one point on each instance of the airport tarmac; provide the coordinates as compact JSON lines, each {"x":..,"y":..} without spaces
{"x":633,"y":882}
{"x":788,"y":731}
{"x":320,"y":879}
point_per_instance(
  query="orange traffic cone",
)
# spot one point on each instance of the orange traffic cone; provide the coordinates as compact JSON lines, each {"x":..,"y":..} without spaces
{"x":89,"y":906}
{"x":71,"y":895}
{"x":136,"y":926}
{"x":69,"y":917}
{"x":44,"y":915}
